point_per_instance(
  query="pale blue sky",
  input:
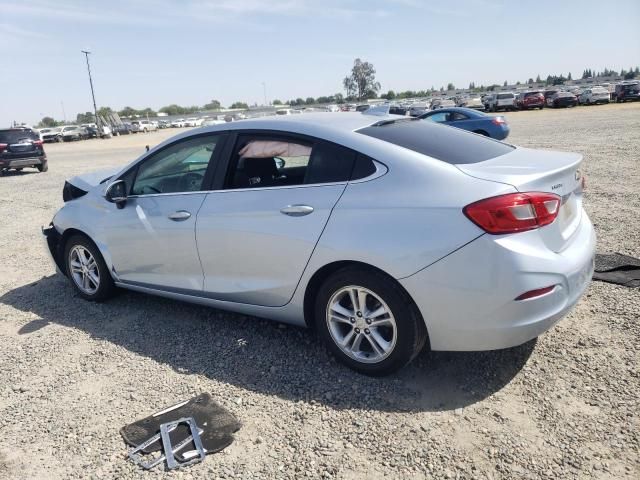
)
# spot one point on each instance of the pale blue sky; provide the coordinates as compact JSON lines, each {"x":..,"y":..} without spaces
{"x":149,"y":53}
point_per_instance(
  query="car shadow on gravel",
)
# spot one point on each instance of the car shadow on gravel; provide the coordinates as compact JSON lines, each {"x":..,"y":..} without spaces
{"x":263,"y":356}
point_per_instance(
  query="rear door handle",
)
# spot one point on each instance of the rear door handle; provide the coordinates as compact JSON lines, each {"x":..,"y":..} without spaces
{"x":296,"y":210}
{"x":179,"y":216}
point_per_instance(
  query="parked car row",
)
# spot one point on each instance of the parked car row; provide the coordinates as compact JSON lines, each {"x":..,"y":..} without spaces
{"x":70,"y":133}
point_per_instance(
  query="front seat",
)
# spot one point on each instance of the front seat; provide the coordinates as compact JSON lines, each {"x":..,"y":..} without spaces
{"x":261,"y":172}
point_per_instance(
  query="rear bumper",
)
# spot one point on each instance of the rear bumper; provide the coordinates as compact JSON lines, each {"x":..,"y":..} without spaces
{"x":22,"y":162}
{"x":468,"y":300}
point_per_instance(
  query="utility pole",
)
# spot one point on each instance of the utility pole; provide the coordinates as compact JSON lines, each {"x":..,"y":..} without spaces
{"x":93,"y":96}
{"x":64,"y":114}
{"x":264,"y":89}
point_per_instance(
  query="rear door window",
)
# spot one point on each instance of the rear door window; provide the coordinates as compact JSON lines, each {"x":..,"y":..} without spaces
{"x":17,"y":136}
{"x":450,"y":145}
{"x":278,"y":161}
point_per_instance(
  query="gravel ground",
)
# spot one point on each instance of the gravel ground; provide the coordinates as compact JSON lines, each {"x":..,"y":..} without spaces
{"x":564,"y":406}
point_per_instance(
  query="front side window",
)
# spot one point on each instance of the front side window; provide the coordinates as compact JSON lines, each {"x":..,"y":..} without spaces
{"x":180,"y":167}
{"x":268,"y":161}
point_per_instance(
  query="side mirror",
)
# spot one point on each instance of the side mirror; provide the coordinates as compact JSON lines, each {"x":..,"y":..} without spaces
{"x":117,"y":193}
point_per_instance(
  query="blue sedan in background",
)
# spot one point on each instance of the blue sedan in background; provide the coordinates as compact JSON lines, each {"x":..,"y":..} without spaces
{"x":472,"y":120}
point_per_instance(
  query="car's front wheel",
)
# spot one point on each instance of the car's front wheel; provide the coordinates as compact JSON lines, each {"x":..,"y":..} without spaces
{"x":87,"y":270}
{"x":368,"y":321}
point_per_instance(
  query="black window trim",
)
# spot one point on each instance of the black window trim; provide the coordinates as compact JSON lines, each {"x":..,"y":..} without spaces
{"x":212,"y":167}
{"x":294,"y":136}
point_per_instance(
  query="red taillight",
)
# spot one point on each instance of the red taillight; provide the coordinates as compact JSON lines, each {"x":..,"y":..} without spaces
{"x":37,"y":142}
{"x":498,"y":121}
{"x":535,"y":293}
{"x":3,"y":146}
{"x":514,"y":212}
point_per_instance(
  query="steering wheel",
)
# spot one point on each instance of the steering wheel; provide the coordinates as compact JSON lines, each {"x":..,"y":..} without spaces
{"x":191,"y":182}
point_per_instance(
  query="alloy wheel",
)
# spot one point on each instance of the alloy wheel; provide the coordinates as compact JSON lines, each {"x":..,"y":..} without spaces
{"x":361,"y":324}
{"x":84,"y":270}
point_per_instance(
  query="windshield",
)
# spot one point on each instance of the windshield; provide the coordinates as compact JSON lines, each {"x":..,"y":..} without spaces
{"x":450,"y":145}
{"x":505,"y":95}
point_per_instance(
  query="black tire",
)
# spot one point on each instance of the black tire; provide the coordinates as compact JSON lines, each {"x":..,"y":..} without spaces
{"x":411,"y":333}
{"x":106,"y":288}
{"x":43,"y":167}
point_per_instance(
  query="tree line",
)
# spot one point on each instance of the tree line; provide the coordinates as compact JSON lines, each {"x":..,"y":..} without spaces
{"x":360,"y":84}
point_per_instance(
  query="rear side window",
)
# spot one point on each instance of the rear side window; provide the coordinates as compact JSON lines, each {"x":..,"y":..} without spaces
{"x":363,"y":168}
{"x":450,"y":145}
{"x":16,"y":135}
{"x":329,"y":163}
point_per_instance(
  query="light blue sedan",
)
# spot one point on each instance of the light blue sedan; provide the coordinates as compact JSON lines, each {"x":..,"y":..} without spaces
{"x":471,"y":120}
{"x":385,"y":233}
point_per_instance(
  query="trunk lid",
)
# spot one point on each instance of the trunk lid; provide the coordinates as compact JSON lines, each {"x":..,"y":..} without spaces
{"x":530,"y":170}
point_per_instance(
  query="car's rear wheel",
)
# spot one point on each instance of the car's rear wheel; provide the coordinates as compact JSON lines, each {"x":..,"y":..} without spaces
{"x":87,"y":270}
{"x":43,"y":167}
{"x":368,"y":321}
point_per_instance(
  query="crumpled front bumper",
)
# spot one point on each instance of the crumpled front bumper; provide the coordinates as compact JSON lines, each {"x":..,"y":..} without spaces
{"x":52,"y":240}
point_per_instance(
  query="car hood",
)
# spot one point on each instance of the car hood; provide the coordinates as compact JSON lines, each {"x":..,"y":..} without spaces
{"x":89,"y":180}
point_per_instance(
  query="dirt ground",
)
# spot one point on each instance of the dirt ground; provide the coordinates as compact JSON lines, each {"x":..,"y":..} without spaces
{"x":72,"y":373}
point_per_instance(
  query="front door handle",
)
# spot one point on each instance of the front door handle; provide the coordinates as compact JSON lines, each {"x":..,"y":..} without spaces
{"x":296,"y":210}
{"x":179,"y":216}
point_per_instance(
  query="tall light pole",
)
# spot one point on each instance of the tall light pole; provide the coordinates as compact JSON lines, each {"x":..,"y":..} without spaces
{"x":93,"y":96}
{"x":264,"y":89}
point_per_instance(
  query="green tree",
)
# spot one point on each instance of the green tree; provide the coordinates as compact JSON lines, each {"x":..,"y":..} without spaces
{"x":569,"y":76}
{"x":128,"y":112}
{"x":530,"y":81}
{"x":390,"y":95}
{"x":239,"y":105}
{"x":451,"y":86}
{"x":310,"y":101}
{"x":276,"y":102}
{"x":212,"y":105}
{"x":472,"y":85}
{"x":538,"y":80}
{"x":505,"y":83}
{"x":338,"y":98}
{"x":361,"y":83}
{"x":48,"y":122}
{"x":87,"y":117}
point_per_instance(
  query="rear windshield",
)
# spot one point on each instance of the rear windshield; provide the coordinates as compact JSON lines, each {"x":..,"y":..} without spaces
{"x":532,"y":94}
{"x":505,"y":95}
{"x":448,"y":144}
{"x":14,"y":136}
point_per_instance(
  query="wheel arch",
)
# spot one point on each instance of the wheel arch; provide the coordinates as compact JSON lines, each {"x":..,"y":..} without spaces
{"x":64,"y":238}
{"x":329,"y":269}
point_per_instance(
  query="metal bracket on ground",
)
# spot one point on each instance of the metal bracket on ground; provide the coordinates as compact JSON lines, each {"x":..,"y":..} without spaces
{"x":194,"y":456}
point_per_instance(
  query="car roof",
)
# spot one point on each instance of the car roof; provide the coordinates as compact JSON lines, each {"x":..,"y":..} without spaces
{"x":335,"y":121}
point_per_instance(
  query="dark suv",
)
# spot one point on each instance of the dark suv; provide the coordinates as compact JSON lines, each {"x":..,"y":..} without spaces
{"x":628,"y":90}
{"x":20,"y":148}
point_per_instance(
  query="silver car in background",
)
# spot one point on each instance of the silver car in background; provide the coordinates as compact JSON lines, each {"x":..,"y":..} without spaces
{"x":385,"y":233}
